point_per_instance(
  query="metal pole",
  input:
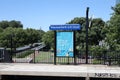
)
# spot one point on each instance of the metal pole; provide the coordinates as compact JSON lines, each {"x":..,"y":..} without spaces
{"x":68,"y":58}
{"x":87,"y":24}
{"x":11,"y":47}
{"x":34,"y":56}
{"x":74,"y":45}
{"x":55,"y":48}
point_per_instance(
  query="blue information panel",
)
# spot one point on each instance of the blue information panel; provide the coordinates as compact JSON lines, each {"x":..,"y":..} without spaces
{"x":64,"y":44}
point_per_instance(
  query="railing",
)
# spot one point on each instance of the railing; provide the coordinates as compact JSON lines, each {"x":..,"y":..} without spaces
{"x":44,"y":56}
{"x":100,"y":57}
{"x":33,"y":56}
{"x":23,"y":57}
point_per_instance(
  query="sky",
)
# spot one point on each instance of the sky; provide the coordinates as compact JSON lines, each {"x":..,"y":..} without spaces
{"x":38,"y":14}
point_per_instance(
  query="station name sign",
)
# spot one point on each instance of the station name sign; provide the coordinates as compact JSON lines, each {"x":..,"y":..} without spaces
{"x":65,"y":27}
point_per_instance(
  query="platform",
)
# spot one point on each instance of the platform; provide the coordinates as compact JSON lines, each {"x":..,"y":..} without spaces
{"x":101,"y":71}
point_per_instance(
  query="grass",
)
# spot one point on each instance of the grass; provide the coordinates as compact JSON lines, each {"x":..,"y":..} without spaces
{"x":44,"y":56}
{"x":49,"y":57}
{"x":23,"y":54}
{"x":96,"y":61}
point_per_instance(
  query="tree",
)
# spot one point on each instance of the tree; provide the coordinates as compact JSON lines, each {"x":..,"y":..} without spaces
{"x":48,"y":39}
{"x":95,"y":33}
{"x":80,"y":35}
{"x":4,"y":24}
{"x":1,"y":30}
{"x":19,"y":36}
{"x":113,"y":29}
{"x":5,"y":37}
{"x":34,"y":36}
{"x":13,"y":23}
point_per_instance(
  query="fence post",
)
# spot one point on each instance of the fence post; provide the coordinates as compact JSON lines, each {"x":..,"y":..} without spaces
{"x":34,"y":57}
{"x":11,"y":45}
{"x":109,"y":61}
{"x":68,"y":58}
{"x":74,"y":45}
{"x":104,"y":57}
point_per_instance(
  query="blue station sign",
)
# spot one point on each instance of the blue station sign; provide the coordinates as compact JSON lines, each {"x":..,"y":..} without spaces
{"x":65,"y":27}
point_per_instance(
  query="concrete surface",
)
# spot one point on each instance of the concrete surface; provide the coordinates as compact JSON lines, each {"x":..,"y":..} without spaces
{"x":101,"y":71}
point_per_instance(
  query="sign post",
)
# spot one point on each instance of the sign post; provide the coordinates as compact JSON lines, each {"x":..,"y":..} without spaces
{"x":64,"y":40}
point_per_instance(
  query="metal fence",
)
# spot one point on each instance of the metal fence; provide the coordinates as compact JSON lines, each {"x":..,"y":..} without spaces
{"x":47,"y":57}
{"x":100,"y":57}
{"x":94,"y":57}
{"x":33,"y":56}
{"x":23,"y":57}
{"x":1,"y":54}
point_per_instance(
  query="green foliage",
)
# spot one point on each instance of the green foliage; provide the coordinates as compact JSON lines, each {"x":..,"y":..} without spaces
{"x":24,"y":54}
{"x":116,"y":9}
{"x":48,"y":39}
{"x":19,"y":37}
{"x":97,"y":61}
{"x":95,"y":33}
{"x":13,"y":23}
{"x":113,"y":30}
{"x":1,"y":30}
{"x":98,"y":51}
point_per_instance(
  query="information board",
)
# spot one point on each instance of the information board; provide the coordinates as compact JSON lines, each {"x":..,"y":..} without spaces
{"x":64,"y":43}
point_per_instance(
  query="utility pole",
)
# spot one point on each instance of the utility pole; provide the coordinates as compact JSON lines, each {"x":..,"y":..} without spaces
{"x":87,"y":24}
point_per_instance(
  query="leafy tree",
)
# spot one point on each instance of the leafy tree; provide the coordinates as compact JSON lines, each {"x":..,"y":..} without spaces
{"x":4,"y":24}
{"x":48,"y":39}
{"x":13,"y":23}
{"x":80,"y":35}
{"x":1,"y":30}
{"x":113,"y":29}
{"x":34,"y":35}
{"x":95,"y":33}
{"x":5,"y":37}
{"x":19,"y":37}
{"x":97,"y":51}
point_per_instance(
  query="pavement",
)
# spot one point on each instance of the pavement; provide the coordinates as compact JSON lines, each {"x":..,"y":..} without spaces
{"x":101,"y":71}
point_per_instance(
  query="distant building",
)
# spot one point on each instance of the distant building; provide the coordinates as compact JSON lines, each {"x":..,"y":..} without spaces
{"x":117,"y":1}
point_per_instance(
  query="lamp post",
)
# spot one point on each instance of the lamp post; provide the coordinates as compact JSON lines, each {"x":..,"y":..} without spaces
{"x":87,"y":24}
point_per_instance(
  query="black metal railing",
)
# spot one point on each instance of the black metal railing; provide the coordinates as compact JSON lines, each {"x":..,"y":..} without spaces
{"x":44,"y":56}
{"x":100,"y":57}
{"x":23,"y":57}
